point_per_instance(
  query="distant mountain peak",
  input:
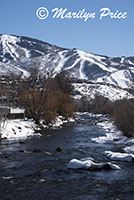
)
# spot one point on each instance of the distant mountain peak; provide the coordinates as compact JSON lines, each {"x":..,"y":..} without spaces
{"x":9,"y":38}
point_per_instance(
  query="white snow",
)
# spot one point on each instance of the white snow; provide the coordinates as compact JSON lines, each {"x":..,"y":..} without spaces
{"x":9,"y":39}
{"x":116,"y":76}
{"x":15,"y":129}
{"x":129,"y":149}
{"x":111,"y":133}
{"x":94,"y":59}
{"x":78,"y":164}
{"x":89,"y":90}
{"x":131,"y":63}
{"x":17,"y":110}
{"x":61,"y":61}
{"x":89,"y":114}
{"x":58,"y":122}
{"x":20,"y":128}
{"x":81,"y":70}
{"x":87,"y":163}
{"x":119,"y":156}
{"x":27,"y":53}
{"x":121,"y":78}
{"x":26,"y":74}
{"x":9,"y":45}
{"x":122,"y":59}
{"x":113,"y":136}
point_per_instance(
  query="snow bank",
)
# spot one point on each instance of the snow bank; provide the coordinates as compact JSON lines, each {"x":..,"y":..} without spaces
{"x":111,"y":133}
{"x":13,"y":129}
{"x":20,"y":128}
{"x":113,"y":136}
{"x":119,"y":156}
{"x":89,"y":164}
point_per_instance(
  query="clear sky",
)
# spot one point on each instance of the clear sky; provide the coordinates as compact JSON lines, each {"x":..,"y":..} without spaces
{"x":112,"y":37}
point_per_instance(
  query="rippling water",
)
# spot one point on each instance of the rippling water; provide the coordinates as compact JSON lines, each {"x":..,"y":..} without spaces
{"x":44,"y":175}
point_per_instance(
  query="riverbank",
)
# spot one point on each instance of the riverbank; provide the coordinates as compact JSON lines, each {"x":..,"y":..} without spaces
{"x":24,"y":128}
{"x":18,"y":128}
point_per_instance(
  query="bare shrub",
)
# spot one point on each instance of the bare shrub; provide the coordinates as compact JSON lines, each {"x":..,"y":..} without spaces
{"x":123,"y":116}
{"x":64,"y":104}
{"x":46,"y":104}
{"x":99,"y":104}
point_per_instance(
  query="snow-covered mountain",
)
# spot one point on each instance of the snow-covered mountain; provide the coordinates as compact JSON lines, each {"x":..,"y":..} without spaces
{"x":19,"y":54}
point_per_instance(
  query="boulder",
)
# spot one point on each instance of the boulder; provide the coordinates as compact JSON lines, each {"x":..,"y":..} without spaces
{"x":59,"y":149}
{"x":36,"y":150}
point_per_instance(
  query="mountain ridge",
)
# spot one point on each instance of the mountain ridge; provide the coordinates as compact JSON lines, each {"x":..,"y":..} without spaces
{"x":18,"y":54}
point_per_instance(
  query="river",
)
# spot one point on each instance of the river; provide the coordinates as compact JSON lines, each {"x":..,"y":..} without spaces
{"x":43,"y":175}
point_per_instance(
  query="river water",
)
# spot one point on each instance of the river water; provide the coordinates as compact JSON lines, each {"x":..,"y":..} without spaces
{"x":28,"y":175}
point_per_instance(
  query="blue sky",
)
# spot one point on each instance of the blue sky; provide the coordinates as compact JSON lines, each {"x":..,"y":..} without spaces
{"x":112,"y":37}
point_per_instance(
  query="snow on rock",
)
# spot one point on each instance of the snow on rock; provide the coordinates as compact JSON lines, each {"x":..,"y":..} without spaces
{"x":13,"y":129}
{"x":71,"y":120}
{"x":57,"y":123}
{"x":78,"y":164}
{"x":89,"y":164}
{"x":129,"y":142}
{"x":119,"y":156}
{"x":81,"y":114}
{"x":129,"y":149}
